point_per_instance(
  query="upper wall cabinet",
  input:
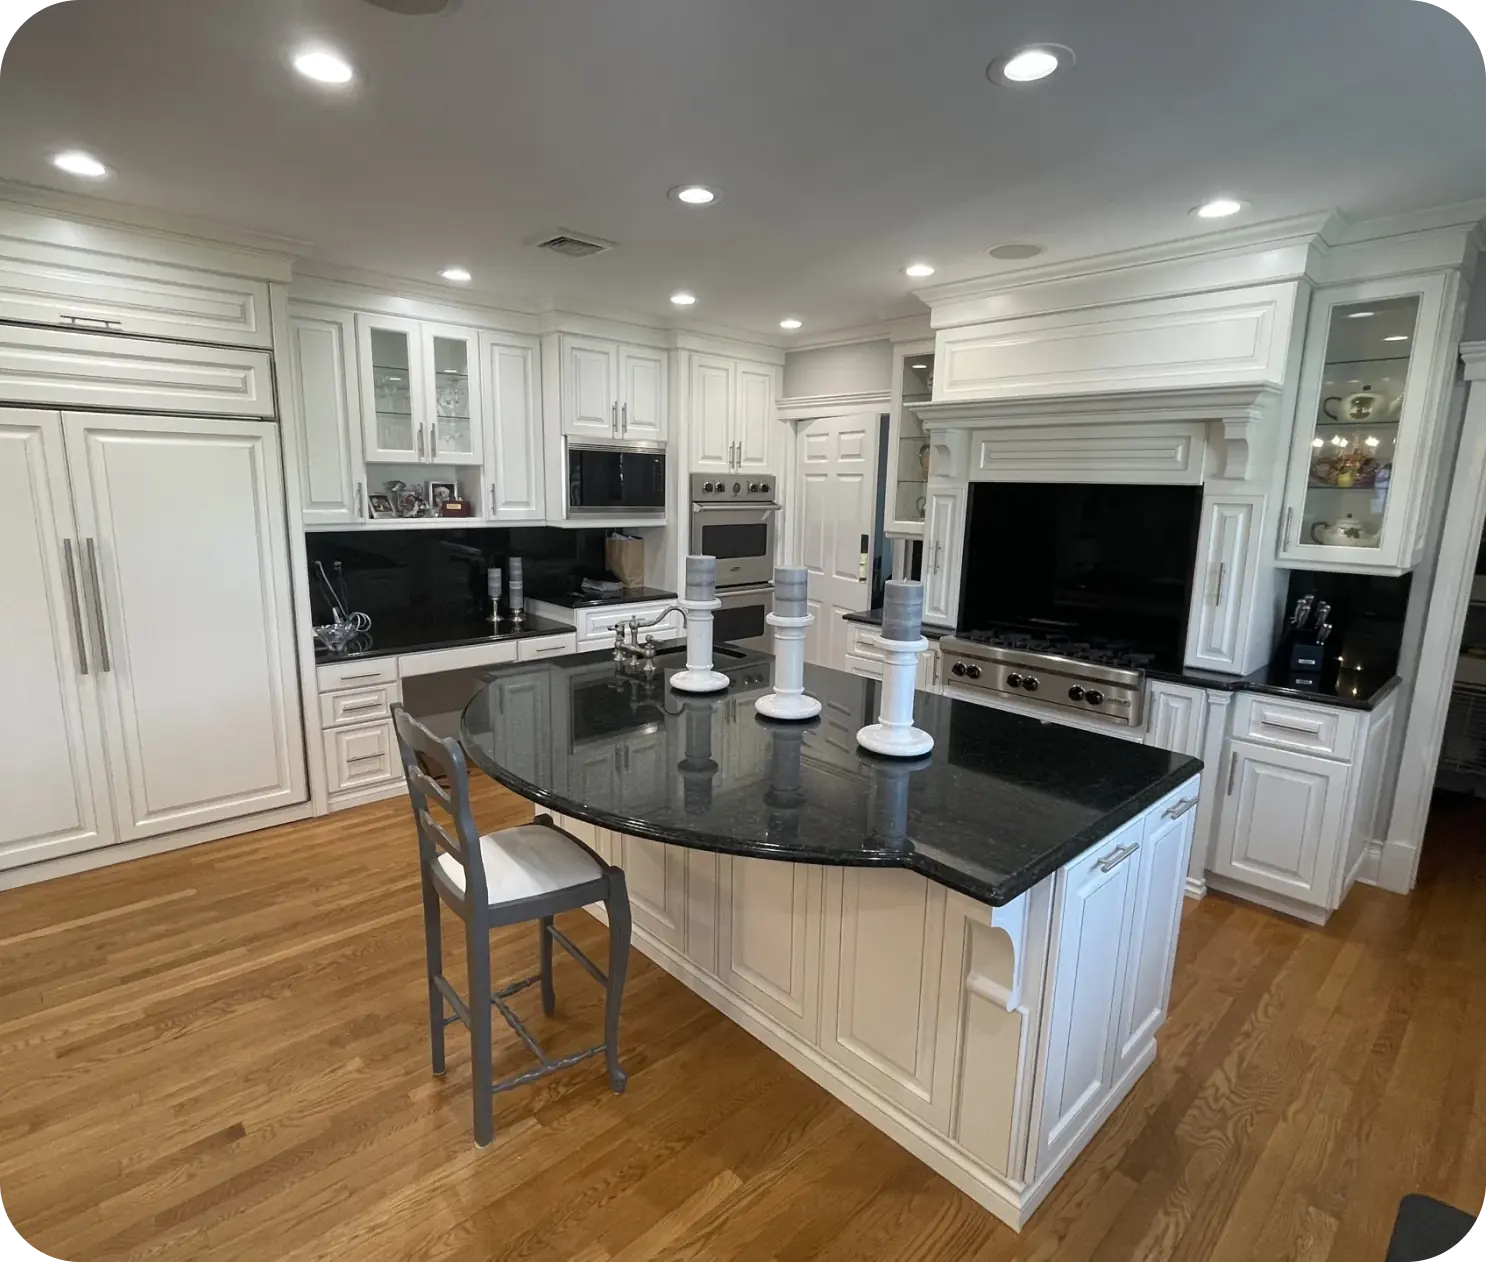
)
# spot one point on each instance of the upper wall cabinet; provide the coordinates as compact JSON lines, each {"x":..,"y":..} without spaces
{"x":610,"y":391}
{"x":451,"y":387}
{"x":76,"y":289}
{"x":733,"y":427}
{"x":1373,"y":387}
{"x":322,"y":347}
{"x":908,"y":445}
{"x":510,"y":366}
{"x":393,"y":417}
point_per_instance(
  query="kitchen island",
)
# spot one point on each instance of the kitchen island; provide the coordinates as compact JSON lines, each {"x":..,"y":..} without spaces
{"x":973,"y":950}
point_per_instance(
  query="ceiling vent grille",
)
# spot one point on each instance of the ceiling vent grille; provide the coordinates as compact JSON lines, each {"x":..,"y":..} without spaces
{"x":571,"y":245}
{"x":414,"y":8}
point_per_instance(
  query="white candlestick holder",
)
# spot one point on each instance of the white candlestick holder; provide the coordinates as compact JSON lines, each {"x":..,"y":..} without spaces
{"x":699,"y":675}
{"x":788,"y":700}
{"x":894,"y":734}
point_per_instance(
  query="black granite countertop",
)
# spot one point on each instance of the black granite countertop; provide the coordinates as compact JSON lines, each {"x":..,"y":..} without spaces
{"x":1001,"y":802}
{"x":873,"y":618}
{"x":413,"y":637}
{"x":583,"y":600}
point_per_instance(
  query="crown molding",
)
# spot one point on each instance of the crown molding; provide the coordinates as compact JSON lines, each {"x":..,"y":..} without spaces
{"x":1459,"y":214}
{"x":911,"y":328}
{"x":1474,"y":355}
{"x":802,"y":407}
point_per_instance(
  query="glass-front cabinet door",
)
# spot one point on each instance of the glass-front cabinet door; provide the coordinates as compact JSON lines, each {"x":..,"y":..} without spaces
{"x":452,"y":395}
{"x":392,"y":397}
{"x":908,"y":446}
{"x":1364,"y":433}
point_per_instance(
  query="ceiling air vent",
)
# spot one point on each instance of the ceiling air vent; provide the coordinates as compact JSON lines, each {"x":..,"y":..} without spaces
{"x":414,"y":8}
{"x":571,"y":245}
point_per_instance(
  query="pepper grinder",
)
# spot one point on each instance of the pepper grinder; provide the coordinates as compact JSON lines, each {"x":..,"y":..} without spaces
{"x":901,"y":642}
{"x":790,"y":618}
{"x":700,"y":601}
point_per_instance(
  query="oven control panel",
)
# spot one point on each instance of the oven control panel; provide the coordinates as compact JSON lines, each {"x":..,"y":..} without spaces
{"x":756,"y":488}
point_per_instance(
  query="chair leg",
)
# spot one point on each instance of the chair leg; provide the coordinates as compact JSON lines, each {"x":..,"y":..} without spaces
{"x":549,"y":996}
{"x":617,"y":904}
{"x":434,"y":946}
{"x":477,"y":953}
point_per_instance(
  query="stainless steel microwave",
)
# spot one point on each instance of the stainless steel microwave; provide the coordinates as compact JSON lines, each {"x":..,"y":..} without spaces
{"x":610,"y":479}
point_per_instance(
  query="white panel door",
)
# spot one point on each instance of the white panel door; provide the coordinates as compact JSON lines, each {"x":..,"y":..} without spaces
{"x":1175,"y":718}
{"x":1281,"y":822}
{"x":655,"y":876}
{"x":55,"y":785}
{"x":769,"y":939}
{"x":754,"y":423}
{"x":889,"y":1013}
{"x":323,"y":381}
{"x":837,"y":482}
{"x":642,"y":396}
{"x":590,"y":388}
{"x":451,"y":395}
{"x":712,"y":403}
{"x":199,"y":690}
{"x":943,"y":528}
{"x":1092,"y":903}
{"x":1155,"y":917}
{"x":394,"y":417}
{"x":513,"y":428}
{"x":1217,"y":621}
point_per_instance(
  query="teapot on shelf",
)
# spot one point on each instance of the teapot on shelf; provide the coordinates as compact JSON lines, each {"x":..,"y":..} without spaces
{"x":1346,"y":533}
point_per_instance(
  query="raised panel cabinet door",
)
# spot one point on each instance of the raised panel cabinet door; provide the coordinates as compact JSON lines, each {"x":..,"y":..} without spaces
{"x":755,"y":423}
{"x":941,"y":566}
{"x":360,"y":757}
{"x":52,"y":769}
{"x":451,"y":395}
{"x":712,"y":402}
{"x":770,"y":939}
{"x":1090,"y":927}
{"x":888,"y":1016}
{"x":1176,"y":720}
{"x":590,"y":388}
{"x":1155,"y":917}
{"x":645,"y":772}
{"x":513,"y":429}
{"x":394,"y":418}
{"x":524,"y":705}
{"x":1281,"y":823}
{"x":321,"y":354}
{"x":1215,"y":638}
{"x":655,"y":875}
{"x":642,"y":395}
{"x":198,"y":684}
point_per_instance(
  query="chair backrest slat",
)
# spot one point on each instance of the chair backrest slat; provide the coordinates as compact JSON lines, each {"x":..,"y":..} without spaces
{"x":422,"y":752}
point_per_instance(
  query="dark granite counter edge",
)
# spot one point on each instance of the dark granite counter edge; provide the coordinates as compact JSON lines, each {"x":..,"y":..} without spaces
{"x":873,"y":618}
{"x":1245,"y":683}
{"x":537,"y":626}
{"x":993,"y":893}
{"x":582,"y":600}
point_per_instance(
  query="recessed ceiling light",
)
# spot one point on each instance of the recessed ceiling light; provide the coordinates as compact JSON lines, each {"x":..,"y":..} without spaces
{"x":1027,"y":65}
{"x":76,"y":162}
{"x":459,"y":274}
{"x":1016,"y":250}
{"x":323,"y":66}
{"x":1361,"y":315}
{"x":918,"y":270}
{"x":1397,"y":337}
{"x":693,"y":194}
{"x":1218,"y":208}
{"x":683,"y":299}
{"x":790,"y":323}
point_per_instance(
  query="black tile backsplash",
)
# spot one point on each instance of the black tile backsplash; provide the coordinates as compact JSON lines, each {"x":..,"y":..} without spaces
{"x":1367,"y":611}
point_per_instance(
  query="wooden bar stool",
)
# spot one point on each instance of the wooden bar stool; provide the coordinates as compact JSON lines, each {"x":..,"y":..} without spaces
{"x":531,"y":872}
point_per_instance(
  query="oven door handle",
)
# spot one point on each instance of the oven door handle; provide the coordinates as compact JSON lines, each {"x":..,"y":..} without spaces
{"x":765,"y":509}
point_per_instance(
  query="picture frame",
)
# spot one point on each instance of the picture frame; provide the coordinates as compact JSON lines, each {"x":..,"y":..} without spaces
{"x":440,"y":493}
{"x":380,"y":505}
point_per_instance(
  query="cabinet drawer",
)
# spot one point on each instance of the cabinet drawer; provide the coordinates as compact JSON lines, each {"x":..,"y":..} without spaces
{"x":1292,"y":725}
{"x":599,"y":622}
{"x":867,"y":667}
{"x":538,"y":647}
{"x":861,"y":640}
{"x":358,"y":705}
{"x":380,"y":670}
{"x":437,"y":661}
{"x":360,"y":756}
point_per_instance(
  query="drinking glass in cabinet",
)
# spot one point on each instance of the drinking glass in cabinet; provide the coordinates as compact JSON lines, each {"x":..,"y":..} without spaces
{"x":451,"y":369}
{"x":393,"y":389}
{"x":910,"y":495}
{"x":1354,"y":434}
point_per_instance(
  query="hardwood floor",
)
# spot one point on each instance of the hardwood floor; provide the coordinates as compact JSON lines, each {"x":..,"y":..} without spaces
{"x":222,"y":1053}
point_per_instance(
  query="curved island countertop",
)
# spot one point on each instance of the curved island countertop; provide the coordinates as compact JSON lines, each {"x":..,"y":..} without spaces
{"x":1001,"y":802}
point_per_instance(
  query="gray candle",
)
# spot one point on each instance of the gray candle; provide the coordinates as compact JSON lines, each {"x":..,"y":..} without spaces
{"x":492,"y":583}
{"x":902,"y":610}
{"x":517,"y":592}
{"x":701,"y":578}
{"x":791,"y":588}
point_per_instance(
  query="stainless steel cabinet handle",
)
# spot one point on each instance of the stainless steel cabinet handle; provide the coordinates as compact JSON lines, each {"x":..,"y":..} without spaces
{"x":370,"y":704}
{"x":420,"y":442}
{"x":69,"y":573}
{"x":1232,"y":770}
{"x":1289,"y":518}
{"x":624,"y":419}
{"x":104,"y":662}
{"x":1116,"y":857}
{"x":90,"y":322}
{"x":360,"y":510}
{"x":938,"y":554}
{"x":347,"y":679}
{"x":614,"y":417}
{"x":493,"y":509}
{"x":1222,"y":580}
{"x":363,"y":758}
{"x":1306,"y":729}
{"x":433,"y":440}
{"x":1177,"y":809}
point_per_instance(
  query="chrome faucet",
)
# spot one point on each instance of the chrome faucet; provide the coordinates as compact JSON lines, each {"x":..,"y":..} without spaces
{"x":629,"y":651}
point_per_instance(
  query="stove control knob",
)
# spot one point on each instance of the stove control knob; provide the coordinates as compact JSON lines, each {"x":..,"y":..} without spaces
{"x":1013,"y":680}
{"x":957,"y":669}
{"x":1076,"y":693}
{"x":753,"y":488}
{"x":1094,"y":697}
{"x":973,"y":672}
{"x":1030,"y":683}
{"x":737,"y":488}
{"x":707,"y":488}
{"x":764,"y":487}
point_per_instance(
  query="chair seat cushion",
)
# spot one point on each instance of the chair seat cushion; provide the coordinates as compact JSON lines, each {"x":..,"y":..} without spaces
{"x":526,"y":862}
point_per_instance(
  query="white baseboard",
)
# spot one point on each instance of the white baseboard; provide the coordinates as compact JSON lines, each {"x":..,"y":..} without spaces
{"x":1274,"y":902}
{"x":1397,"y":864}
{"x":1370,"y":863}
{"x":1196,"y":887}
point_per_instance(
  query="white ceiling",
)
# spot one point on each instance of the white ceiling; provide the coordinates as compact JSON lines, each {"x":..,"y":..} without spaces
{"x":847,"y":136}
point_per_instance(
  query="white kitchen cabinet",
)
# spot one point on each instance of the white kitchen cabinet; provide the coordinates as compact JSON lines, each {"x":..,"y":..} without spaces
{"x":908,"y":444}
{"x":360,"y":757}
{"x":1226,"y":561}
{"x":592,"y":771}
{"x":197,"y":676}
{"x":451,"y":395}
{"x":1375,"y":377}
{"x":322,"y":348}
{"x":1176,"y":717}
{"x":769,"y":938}
{"x":644,"y":772}
{"x":733,"y":426}
{"x":56,"y":798}
{"x":523,"y":702}
{"x":642,"y":396}
{"x":754,"y":423}
{"x":864,"y":657}
{"x":612,"y":391}
{"x":655,"y":876}
{"x":943,"y":531}
{"x":513,"y":427}
{"x":394,"y":398}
